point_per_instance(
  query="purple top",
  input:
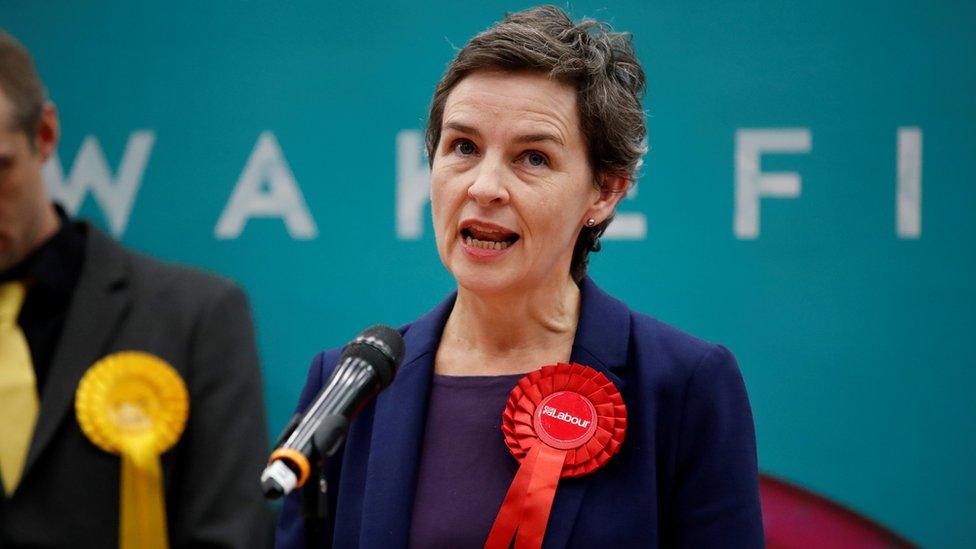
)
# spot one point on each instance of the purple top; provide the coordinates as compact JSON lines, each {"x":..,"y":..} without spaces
{"x":465,"y":467}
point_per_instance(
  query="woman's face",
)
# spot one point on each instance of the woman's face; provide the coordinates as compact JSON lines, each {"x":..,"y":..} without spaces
{"x":511,"y":185}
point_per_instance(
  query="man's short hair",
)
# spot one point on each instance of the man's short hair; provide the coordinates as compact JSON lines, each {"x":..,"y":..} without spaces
{"x":21,"y":86}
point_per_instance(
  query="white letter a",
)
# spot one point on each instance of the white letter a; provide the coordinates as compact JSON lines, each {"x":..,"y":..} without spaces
{"x":281,"y":199}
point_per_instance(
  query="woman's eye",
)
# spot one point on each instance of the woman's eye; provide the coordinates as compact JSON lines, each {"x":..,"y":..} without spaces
{"x":464,"y":147}
{"x":535,"y":159}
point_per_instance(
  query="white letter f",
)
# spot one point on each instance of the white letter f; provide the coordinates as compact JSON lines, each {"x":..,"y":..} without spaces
{"x":751,"y":184}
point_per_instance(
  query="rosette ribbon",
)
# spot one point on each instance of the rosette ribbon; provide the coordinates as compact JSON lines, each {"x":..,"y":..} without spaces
{"x":563,"y":420}
{"x":135,"y":405}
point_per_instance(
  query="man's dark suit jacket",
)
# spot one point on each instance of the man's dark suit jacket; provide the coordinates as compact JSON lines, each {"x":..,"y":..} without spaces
{"x":201,"y":325}
{"x":685,"y":476}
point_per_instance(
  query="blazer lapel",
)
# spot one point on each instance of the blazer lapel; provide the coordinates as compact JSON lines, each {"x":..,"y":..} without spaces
{"x":398,"y":433}
{"x":97,"y":307}
{"x":602,"y":339}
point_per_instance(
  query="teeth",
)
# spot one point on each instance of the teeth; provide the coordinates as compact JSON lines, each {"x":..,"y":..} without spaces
{"x":485,"y":244}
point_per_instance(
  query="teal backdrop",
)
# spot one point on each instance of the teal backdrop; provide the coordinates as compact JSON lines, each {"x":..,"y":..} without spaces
{"x":851,"y":316}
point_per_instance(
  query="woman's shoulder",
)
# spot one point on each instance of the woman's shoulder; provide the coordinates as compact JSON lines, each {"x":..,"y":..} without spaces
{"x":318,"y":371}
{"x":649,"y":342}
{"x":648,"y":332}
{"x":667,"y":352}
{"x":323,"y":363}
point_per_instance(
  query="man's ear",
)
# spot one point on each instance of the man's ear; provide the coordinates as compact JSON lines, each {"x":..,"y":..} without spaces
{"x":612,"y":189}
{"x":48,"y":131}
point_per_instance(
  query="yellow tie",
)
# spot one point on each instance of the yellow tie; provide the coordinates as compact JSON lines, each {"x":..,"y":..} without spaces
{"x":18,"y":388}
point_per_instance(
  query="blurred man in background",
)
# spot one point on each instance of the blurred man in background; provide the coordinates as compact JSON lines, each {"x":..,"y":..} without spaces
{"x":69,"y":296}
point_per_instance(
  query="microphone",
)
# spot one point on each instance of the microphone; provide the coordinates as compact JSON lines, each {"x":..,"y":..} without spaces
{"x":366,"y":366}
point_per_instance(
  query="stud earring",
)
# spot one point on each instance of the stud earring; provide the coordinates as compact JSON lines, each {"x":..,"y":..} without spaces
{"x":590,"y":222}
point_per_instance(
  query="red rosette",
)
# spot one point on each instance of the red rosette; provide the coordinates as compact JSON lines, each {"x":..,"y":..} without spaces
{"x":563,"y":420}
{"x":519,"y":427}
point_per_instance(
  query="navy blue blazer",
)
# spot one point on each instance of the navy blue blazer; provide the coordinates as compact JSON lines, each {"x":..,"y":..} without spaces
{"x":686,"y":475}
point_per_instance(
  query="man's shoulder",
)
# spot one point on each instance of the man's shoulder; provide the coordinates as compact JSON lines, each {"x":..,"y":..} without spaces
{"x":149,"y":271}
{"x":147,"y":274}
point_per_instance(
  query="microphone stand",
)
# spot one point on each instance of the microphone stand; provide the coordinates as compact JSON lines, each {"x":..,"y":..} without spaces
{"x":315,"y":494}
{"x":315,"y":509}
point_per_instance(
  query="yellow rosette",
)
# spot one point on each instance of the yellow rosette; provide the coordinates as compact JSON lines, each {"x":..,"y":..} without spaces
{"x":134,"y":404}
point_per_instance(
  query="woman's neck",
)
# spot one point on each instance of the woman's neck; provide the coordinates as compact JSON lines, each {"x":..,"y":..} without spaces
{"x":509,"y":333}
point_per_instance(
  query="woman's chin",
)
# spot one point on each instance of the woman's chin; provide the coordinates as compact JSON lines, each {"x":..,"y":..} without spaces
{"x":483,"y":281}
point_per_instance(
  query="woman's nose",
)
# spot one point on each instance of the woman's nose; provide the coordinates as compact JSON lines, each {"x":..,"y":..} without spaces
{"x":488,"y":187}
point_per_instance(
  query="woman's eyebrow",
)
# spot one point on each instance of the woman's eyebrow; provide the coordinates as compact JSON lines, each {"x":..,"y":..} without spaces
{"x":461,"y":128}
{"x":537,"y":137}
{"x":526,"y":138}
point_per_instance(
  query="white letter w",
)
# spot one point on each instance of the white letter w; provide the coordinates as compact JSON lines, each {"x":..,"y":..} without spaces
{"x":90,"y":171}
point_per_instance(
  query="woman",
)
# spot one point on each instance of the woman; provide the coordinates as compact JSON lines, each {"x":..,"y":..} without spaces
{"x":535,"y":132}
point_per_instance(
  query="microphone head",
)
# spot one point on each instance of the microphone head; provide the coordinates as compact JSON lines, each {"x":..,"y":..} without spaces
{"x":380,"y":346}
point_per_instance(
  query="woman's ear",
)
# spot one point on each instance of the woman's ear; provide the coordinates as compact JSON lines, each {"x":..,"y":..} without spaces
{"x":612,"y":189}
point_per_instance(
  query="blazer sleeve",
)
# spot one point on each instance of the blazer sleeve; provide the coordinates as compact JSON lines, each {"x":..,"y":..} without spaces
{"x":218,"y":500}
{"x":716,"y":499}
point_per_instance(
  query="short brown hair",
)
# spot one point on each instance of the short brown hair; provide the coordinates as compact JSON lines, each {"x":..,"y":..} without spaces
{"x":21,"y":85}
{"x":600,"y":63}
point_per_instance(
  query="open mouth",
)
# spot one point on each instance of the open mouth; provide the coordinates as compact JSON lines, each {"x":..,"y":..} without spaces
{"x":488,"y":238}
